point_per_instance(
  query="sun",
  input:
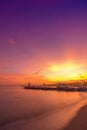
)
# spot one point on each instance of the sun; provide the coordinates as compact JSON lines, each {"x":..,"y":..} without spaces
{"x":62,"y":72}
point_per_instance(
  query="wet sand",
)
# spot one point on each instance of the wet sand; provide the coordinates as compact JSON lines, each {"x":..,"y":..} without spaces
{"x":79,"y":122}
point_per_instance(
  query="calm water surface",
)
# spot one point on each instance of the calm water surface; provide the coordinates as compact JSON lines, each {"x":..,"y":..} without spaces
{"x":22,"y":109}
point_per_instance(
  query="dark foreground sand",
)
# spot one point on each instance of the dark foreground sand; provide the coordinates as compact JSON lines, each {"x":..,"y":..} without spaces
{"x":80,"y":121}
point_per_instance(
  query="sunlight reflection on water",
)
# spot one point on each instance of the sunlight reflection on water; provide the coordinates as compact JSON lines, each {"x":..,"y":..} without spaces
{"x":22,"y":109}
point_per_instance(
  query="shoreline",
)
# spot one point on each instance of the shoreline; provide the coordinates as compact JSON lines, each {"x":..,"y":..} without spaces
{"x":79,"y":122}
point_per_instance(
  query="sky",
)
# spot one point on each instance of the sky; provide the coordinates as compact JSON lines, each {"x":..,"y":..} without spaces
{"x":42,"y":41}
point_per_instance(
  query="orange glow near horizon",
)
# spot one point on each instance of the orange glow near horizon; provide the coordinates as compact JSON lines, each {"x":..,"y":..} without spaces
{"x":52,"y":73}
{"x":65,"y":72}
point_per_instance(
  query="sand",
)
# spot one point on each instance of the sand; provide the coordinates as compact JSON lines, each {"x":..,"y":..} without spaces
{"x":79,"y":122}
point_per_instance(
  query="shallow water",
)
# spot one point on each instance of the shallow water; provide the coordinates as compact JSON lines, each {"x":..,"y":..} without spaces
{"x":22,"y":109}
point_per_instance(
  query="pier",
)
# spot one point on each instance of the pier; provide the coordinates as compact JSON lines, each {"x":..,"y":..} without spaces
{"x":58,"y":87}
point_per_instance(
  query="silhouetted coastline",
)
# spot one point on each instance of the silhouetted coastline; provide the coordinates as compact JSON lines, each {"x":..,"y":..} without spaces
{"x":59,"y":87}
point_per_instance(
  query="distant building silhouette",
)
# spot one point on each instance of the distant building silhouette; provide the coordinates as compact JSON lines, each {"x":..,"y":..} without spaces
{"x":29,"y":84}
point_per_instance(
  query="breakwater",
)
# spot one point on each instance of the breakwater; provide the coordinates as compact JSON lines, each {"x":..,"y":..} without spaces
{"x":83,"y":89}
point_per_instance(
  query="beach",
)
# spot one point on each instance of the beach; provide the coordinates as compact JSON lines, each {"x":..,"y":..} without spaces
{"x":43,"y":64}
{"x":79,"y":122}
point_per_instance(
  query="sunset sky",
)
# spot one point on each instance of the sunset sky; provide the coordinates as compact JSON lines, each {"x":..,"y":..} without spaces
{"x":42,"y":41}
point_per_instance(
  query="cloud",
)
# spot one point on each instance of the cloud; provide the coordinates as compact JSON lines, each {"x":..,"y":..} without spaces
{"x":36,"y":73}
{"x":11,"y":41}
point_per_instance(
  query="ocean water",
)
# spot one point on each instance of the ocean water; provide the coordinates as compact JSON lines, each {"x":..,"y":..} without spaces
{"x":22,"y":109}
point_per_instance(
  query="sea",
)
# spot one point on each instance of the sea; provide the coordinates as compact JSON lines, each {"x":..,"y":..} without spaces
{"x":24,"y":109}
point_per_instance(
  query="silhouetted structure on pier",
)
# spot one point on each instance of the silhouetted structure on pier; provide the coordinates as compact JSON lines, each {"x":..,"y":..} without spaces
{"x":59,"y":87}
